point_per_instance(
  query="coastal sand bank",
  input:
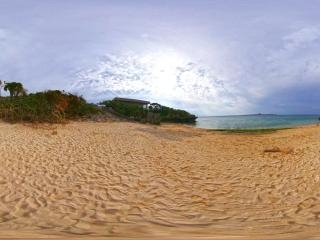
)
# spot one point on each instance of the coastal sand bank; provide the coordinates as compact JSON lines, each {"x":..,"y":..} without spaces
{"x":122,"y":179}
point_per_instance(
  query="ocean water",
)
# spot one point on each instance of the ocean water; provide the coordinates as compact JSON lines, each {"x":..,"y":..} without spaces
{"x":256,"y":121}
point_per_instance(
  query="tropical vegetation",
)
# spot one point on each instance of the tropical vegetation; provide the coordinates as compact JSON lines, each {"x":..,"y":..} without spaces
{"x":154,"y":113}
{"x":50,"y":106}
{"x":56,"y":106}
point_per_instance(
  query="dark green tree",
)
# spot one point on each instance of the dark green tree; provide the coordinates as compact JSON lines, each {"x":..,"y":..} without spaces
{"x":15,"y":89}
{"x":155,"y":107}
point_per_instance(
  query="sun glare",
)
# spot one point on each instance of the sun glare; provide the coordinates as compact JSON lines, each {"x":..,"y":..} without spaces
{"x":163,"y":67}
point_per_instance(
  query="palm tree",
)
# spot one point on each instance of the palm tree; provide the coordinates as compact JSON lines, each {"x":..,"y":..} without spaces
{"x":15,"y":89}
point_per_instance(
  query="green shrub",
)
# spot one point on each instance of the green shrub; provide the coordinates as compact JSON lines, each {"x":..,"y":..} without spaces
{"x":127,"y":110}
{"x":168,"y":114}
{"x":154,"y":114}
{"x":50,"y":106}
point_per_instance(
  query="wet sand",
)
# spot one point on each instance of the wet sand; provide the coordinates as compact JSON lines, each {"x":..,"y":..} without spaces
{"x":123,"y":180}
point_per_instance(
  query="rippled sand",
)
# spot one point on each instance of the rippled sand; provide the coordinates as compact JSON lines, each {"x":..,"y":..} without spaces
{"x":133,"y":180}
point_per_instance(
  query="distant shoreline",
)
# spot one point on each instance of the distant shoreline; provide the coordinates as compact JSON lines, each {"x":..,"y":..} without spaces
{"x":248,"y":115}
{"x":252,"y":122}
{"x":255,"y":129}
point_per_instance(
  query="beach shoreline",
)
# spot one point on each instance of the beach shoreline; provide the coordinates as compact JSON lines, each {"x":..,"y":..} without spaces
{"x":243,"y":129}
{"x":123,"y":180}
{"x":256,"y":121}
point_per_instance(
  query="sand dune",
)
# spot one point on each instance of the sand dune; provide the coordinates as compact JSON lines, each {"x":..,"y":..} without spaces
{"x":132,"y":180}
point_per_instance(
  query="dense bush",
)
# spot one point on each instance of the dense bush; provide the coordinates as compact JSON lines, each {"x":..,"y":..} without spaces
{"x":168,"y":114}
{"x":139,"y":113}
{"x":50,"y":106}
{"x":127,"y":110}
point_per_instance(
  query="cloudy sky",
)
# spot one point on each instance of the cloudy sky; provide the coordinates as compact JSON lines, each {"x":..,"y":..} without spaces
{"x":211,"y":57}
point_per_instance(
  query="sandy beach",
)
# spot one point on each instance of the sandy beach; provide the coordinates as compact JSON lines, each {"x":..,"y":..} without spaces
{"x":119,"y":180}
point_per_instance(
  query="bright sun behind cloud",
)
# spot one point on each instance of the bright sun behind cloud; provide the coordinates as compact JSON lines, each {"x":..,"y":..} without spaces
{"x":164,"y":67}
{"x":164,"y":76}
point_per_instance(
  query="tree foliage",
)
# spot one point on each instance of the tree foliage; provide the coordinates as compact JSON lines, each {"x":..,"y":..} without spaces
{"x":168,"y":114}
{"x":15,"y":89}
{"x":127,"y":110}
{"x":50,"y":106}
{"x":137,"y":112}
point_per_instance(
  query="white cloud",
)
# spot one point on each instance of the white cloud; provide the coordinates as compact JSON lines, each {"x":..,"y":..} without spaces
{"x":294,"y":59}
{"x":233,"y":62}
{"x":165,"y":77}
{"x":302,"y":38}
{"x":237,"y":87}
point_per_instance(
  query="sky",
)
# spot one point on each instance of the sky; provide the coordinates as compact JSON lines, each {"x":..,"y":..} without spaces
{"x":210,"y":57}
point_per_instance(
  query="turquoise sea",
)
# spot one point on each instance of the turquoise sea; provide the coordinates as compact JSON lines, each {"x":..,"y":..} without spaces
{"x":256,"y":121}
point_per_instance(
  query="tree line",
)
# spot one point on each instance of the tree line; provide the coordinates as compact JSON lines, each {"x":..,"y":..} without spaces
{"x":154,"y":113}
{"x":57,"y":106}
